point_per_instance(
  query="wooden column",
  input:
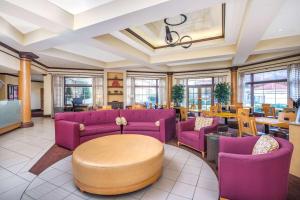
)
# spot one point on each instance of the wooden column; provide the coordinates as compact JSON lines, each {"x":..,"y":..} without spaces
{"x":25,"y":88}
{"x":234,"y":85}
{"x":170,"y":85}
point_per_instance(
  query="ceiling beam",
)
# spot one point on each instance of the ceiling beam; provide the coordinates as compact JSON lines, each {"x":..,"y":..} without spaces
{"x":259,"y":15}
{"x":56,"y":53}
{"x":41,"y":13}
{"x":192,"y":55}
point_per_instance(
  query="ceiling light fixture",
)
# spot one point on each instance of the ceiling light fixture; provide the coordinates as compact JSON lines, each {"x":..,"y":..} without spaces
{"x":173,"y":38}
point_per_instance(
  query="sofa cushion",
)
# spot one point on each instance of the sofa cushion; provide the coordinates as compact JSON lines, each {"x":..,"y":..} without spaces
{"x":265,"y":144}
{"x":141,"y":126}
{"x":201,"y":122}
{"x":102,"y":128}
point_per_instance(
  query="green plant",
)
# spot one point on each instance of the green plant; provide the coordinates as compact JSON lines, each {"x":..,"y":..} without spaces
{"x":222,"y":92}
{"x":178,"y":94}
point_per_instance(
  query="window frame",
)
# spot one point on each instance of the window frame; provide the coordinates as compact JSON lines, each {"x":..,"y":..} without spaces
{"x":150,"y":86}
{"x":75,"y":86}
{"x":252,"y":83}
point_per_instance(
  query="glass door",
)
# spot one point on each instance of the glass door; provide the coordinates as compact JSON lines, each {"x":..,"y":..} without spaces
{"x":206,"y":97}
{"x":200,"y":97}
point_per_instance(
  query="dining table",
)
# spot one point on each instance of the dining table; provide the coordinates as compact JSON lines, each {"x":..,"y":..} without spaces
{"x":267,"y":122}
{"x":226,"y":116}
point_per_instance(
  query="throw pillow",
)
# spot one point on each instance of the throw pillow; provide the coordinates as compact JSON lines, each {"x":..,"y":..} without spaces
{"x":81,"y":127}
{"x":157,"y":123}
{"x":119,"y":121}
{"x":201,"y":122}
{"x":124,"y":121}
{"x":265,"y":144}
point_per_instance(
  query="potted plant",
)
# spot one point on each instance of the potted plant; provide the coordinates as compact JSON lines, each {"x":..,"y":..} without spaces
{"x":178,"y":94}
{"x":222,"y":93}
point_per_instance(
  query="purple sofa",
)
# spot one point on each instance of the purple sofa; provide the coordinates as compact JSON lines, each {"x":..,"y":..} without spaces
{"x":143,"y":122}
{"x":243,"y":176}
{"x":195,"y":139}
{"x":101,"y":123}
{"x":97,"y":123}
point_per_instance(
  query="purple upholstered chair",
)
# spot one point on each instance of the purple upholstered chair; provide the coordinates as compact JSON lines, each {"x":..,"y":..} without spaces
{"x":243,"y":176}
{"x":195,"y":139}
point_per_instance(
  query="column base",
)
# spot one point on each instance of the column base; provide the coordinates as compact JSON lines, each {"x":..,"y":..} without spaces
{"x":26,"y":124}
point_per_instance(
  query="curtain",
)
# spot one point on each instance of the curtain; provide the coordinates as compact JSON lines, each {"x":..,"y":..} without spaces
{"x":98,"y":91}
{"x":162,"y":99}
{"x":241,"y":87}
{"x":130,"y":91}
{"x":294,"y":81}
{"x":58,"y":93}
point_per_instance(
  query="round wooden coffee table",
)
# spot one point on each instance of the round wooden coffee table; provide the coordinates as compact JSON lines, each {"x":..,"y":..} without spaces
{"x":117,"y":164}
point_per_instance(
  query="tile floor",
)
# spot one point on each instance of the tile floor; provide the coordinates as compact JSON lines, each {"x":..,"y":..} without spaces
{"x":185,"y":176}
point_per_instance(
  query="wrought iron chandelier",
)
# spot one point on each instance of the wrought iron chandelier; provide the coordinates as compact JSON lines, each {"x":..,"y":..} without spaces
{"x":173,"y":38}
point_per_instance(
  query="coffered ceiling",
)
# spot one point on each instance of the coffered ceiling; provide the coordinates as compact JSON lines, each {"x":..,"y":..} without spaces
{"x":93,"y":34}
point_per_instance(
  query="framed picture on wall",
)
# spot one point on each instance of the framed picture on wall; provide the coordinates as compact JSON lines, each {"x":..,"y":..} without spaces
{"x":12,"y":92}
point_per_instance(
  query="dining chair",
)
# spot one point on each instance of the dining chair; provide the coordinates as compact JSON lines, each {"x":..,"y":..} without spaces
{"x":138,"y":107}
{"x":108,"y":107}
{"x":282,"y":130}
{"x":183,"y":113}
{"x":269,"y":112}
{"x":247,"y":126}
{"x":243,"y":111}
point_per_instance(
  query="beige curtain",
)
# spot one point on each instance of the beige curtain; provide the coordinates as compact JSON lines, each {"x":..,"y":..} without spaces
{"x":98,"y":91}
{"x":58,"y":93}
{"x":294,"y":81}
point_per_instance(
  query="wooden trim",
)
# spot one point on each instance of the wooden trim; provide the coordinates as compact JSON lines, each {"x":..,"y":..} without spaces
{"x":9,"y":47}
{"x":14,"y":75}
{"x":181,"y":43}
{"x":9,"y":128}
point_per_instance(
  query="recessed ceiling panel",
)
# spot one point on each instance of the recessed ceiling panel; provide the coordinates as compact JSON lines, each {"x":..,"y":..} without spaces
{"x":287,"y":21}
{"x":201,"y":25}
{"x":21,"y":25}
{"x":90,"y":52}
{"x":78,"y":6}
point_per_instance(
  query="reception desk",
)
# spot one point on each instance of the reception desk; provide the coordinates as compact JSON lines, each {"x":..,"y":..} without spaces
{"x":294,"y":137}
{"x":10,"y":115}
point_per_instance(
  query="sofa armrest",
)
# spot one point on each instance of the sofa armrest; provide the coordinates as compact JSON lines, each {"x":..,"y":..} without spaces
{"x":187,"y":125}
{"x":235,"y":145}
{"x":167,"y":128}
{"x":67,"y":134}
{"x":248,"y":174}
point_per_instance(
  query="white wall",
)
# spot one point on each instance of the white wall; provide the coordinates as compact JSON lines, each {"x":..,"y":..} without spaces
{"x":36,"y":95}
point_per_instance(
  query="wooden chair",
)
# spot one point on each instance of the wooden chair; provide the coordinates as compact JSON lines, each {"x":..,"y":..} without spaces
{"x":212,"y":111}
{"x":282,"y":130}
{"x":243,"y":111}
{"x":183,"y":113}
{"x":138,"y":107}
{"x":269,"y":112}
{"x":234,"y":108}
{"x":247,"y":125}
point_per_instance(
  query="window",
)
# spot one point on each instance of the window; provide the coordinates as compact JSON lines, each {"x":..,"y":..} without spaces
{"x":266,"y":87}
{"x":78,"y":88}
{"x":146,"y":91}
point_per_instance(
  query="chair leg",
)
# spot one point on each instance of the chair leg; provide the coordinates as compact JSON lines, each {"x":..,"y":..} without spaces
{"x":203,"y":154}
{"x":178,"y":143}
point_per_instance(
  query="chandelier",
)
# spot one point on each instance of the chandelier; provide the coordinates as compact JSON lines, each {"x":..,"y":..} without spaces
{"x":173,"y":38}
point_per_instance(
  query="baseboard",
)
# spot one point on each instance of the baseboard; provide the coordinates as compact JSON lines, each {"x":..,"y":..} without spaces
{"x":9,"y":128}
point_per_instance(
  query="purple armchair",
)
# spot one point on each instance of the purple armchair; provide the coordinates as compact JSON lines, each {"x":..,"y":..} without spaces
{"x":243,"y":176}
{"x":195,"y":139}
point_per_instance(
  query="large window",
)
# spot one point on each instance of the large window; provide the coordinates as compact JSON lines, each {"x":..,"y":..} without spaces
{"x":266,"y":87}
{"x":80,"y":88}
{"x":146,"y":91}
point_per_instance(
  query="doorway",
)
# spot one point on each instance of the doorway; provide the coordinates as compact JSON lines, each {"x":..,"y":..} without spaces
{"x":200,"y":96}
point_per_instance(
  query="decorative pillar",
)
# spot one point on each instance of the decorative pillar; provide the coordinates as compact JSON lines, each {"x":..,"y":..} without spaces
{"x":170,"y":85}
{"x":25,"y":87}
{"x":234,"y":83}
